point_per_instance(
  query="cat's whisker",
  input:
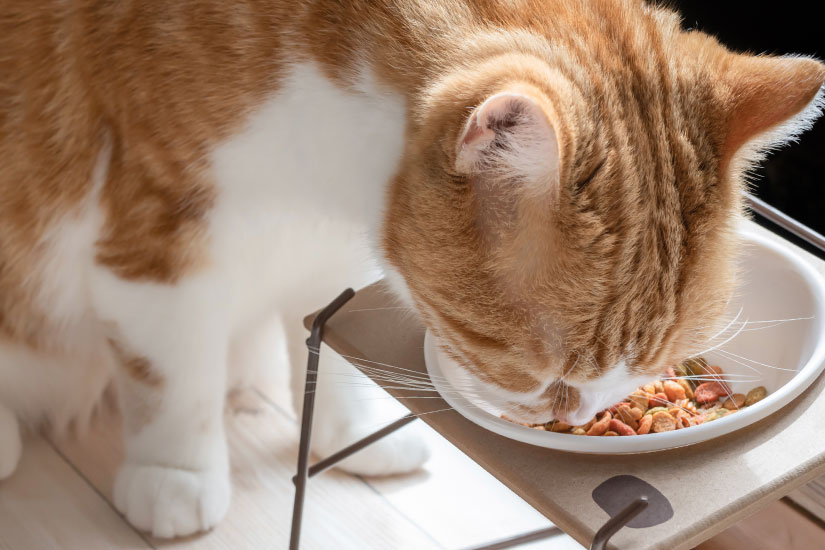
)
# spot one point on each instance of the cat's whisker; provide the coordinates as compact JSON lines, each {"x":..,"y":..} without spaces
{"x":733,"y":325}
{"x":405,"y":385}
{"x":350,"y":377}
{"x":367,"y":384}
{"x":360,"y":371}
{"x":382,"y":378}
{"x":558,"y":394}
{"x":703,"y":376}
{"x":741,"y":363}
{"x":729,"y":354}
{"x":770,"y":323}
{"x":747,"y":326}
{"x":719,"y":345}
{"x":388,"y":378}
{"x":417,"y":415}
{"x":404,"y":397}
{"x":736,"y":318}
{"x":387,"y":373}
{"x":566,"y":400}
{"x":780,"y":320}
{"x":737,"y":378}
{"x":762,"y":328}
{"x":415,"y":381}
{"x":377,"y":309}
{"x":364,"y":360}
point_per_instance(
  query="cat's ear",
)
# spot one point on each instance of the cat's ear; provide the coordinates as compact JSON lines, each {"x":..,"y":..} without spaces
{"x":770,"y":100}
{"x":510,"y":136}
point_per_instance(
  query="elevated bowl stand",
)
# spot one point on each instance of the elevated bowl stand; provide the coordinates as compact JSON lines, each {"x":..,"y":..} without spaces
{"x":670,"y":499}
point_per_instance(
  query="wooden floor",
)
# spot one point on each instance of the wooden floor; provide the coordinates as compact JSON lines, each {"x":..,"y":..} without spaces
{"x":60,"y":498}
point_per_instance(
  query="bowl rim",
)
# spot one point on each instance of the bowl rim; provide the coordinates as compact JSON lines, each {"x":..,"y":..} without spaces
{"x":659,"y":441}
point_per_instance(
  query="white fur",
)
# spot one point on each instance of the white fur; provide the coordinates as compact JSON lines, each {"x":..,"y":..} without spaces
{"x":602,"y":392}
{"x":299,"y":191}
{"x":396,"y":282}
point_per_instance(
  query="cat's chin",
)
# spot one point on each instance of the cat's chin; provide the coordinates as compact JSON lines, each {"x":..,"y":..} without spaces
{"x":579,"y":417}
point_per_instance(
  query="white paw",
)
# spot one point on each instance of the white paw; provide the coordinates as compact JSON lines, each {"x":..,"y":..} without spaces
{"x":398,"y":453}
{"x":11,"y":446}
{"x":170,"y":502}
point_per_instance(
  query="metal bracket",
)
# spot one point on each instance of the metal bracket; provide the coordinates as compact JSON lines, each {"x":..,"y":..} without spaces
{"x":617,"y":522}
{"x":603,"y":535}
{"x":304,"y":470}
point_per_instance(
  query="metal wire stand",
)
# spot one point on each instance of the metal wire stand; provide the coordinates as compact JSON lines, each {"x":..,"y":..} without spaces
{"x":305,"y":471}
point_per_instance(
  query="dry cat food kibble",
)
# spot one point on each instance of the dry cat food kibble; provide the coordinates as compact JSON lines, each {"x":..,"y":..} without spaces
{"x":690,"y":394}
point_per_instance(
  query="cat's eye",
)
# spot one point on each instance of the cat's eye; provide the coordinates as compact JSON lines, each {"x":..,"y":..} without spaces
{"x":580,"y":186}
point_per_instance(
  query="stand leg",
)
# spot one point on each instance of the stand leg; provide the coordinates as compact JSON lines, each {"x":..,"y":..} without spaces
{"x":313,"y":343}
{"x":617,"y":522}
{"x":532,"y":536}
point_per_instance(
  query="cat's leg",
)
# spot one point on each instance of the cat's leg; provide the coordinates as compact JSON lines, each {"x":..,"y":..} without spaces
{"x":50,"y":390}
{"x":256,"y":355}
{"x":347,"y":410}
{"x":172,"y":344}
{"x":319,"y":258}
{"x":11,"y":446}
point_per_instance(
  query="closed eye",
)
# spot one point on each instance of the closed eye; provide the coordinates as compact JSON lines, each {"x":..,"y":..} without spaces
{"x":579,"y":187}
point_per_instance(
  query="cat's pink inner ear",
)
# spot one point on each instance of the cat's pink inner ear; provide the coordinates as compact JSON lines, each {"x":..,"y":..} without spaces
{"x":477,"y":133}
{"x":769,"y":98}
{"x":526,"y":141}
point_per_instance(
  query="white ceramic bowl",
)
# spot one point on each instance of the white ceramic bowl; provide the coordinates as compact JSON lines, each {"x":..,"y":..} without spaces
{"x":775,"y":284}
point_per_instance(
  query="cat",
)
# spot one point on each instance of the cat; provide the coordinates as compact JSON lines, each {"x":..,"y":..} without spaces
{"x":551,"y":185}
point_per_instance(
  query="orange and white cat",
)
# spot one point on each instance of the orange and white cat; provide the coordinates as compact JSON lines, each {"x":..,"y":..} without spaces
{"x":545,"y":182}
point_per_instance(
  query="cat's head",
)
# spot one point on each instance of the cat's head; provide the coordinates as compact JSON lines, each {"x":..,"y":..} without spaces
{"x":564,"y":216}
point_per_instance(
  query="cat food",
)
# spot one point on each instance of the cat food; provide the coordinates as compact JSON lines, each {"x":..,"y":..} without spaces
{"x":688,"y":395}
{"x":756,"y":394}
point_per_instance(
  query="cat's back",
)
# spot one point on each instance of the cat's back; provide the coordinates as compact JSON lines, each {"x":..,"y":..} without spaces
{"x":144,"y":92}
{"x":108,"y":115}
{"x":49,"y":125}
{"x":180,"y":75}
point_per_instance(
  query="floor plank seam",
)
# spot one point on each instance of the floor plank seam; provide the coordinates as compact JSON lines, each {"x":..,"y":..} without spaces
{"x":402,"y":514}
{"x":275,"y":406}
{"x":86,"y":480}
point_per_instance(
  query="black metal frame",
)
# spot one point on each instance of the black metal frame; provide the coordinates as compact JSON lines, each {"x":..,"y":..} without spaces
{"x":790,"y":229}
{"x":305,"y":471}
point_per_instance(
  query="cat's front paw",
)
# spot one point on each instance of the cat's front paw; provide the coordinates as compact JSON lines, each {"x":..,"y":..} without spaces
{"x":170,"y":502}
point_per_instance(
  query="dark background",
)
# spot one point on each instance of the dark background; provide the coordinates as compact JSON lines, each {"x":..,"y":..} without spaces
{"x":792,"y":178}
